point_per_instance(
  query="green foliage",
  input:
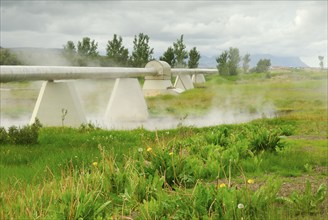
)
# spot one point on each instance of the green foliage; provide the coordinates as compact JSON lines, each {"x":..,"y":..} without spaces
{"x":307,"y":202}
{"x":222,"y":61}
{"x":262,"y":66}
{"x":180,"y":52}
{"x":4,"y":138}
{"x":169,"y":57}
{"x":194,"y":57}
{"x":26,"y":135}
{"x":263,"y":200}
{"x":87,"y":48}
{"x":263,"y":139}
{"x":80,"y":196}
{"x":70,"y":53}
{"x":141,"y":53}
{"x":8,"y":58}
{"x":228,"y":62}
{"x":69,"y":49}
{"x":87,"y":128}
{"x":117,"y":54}
{"x":220,"y":137}
{"x":85,"y":54}
{"x":234,"y":59}
{"x":203,"y":200}
{"x":163,"y":174}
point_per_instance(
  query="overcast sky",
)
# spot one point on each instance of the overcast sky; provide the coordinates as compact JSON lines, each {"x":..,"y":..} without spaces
{"x":285,"y":28}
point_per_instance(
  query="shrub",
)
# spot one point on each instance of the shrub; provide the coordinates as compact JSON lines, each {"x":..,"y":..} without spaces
{"x":89,"y":127}
{"x":265,"y":140}
{"x":307,"y":202}
{"x":220,"y":137}
{"x":3,"y":136}
{"x":26,"y":135}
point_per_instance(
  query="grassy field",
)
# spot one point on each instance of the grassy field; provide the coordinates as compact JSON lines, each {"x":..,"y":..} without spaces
{"x":273,"y":167}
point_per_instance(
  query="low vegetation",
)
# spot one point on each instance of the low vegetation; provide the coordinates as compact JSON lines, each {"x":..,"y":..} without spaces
{"x":269,"y":168}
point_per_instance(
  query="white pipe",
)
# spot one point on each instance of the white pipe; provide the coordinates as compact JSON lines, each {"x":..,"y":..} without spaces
{"x":177,"y":71}
{"x":35,"y":73}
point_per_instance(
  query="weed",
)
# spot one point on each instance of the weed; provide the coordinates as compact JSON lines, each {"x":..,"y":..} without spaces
{"x":63,"y":116}
{"x":307,"y":202}
{"x":267,"y":140}
{"x":89,"y":127}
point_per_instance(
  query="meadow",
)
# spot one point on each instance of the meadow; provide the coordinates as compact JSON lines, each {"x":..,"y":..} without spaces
{"x":271,"y":164}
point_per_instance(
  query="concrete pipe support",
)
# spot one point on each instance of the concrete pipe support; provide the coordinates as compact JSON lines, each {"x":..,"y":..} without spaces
{"x":159,"y":84}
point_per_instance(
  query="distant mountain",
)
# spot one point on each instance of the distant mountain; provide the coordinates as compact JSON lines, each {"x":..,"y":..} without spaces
{"x":284,"y":61}
{"x":207,"y":62}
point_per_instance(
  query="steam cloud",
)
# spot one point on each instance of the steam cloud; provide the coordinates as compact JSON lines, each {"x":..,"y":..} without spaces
{"x":95,"y":95}
{"x":16,"y":106}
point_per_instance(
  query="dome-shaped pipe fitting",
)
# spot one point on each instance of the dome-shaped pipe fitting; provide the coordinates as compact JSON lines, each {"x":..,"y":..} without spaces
{"x":163,"y":70}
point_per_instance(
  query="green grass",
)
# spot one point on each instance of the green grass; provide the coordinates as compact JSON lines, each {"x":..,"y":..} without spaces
{"x":300,"y":92}
{"x":188,"y":172}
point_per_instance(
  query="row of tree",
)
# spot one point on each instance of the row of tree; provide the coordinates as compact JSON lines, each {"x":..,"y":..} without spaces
{"x":86,"y":53}
{"x":228,"y":63}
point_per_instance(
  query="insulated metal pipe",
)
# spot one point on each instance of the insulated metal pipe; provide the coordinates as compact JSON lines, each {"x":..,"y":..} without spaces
{"x":49,"y":73}
{"x":177,"y":71}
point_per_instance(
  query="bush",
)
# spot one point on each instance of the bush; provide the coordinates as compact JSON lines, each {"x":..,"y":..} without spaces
{"x":307,"y":202}
{"x":26,"y":135}
{"x":3,"y":136}
{"x":265,"y":140}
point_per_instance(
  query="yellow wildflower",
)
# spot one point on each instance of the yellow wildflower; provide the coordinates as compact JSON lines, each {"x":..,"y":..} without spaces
{"x":149,"y":149}
{"x":171,"y":153}
{"x":250,"y":181}
{"x":222,"y":185}
{"x":95,"y":164}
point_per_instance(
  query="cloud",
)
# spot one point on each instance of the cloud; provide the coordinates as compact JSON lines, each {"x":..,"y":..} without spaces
{"x":295,"y":28}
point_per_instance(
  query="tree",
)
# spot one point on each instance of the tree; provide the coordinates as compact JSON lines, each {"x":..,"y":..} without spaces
{"x":180,"y":52}
{"x":87,"y":51}
{"x":169,"y":57}
{"x":69,"y":48}
{"x":141,"y":53}
{"x":8,"y":58}
{"x":194,"y":57}
{"x":116,"y":52}
{"x":263,"y":66}
{"x":321,"y":62}
{"x":87,"y":48}
{"x":233,"y":60}
{"x":70,"y":52}
{"x":222,"y":61}
{"x":228,"y":62}
{"x":246,"y":60}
